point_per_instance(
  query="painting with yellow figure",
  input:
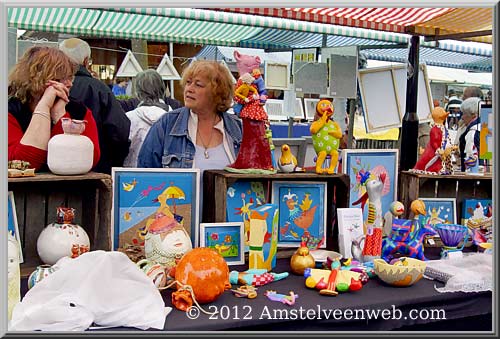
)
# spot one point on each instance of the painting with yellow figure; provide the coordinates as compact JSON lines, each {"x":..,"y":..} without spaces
{"x":486,"y":140}
{"x":263,"y":237}
{"x":225,"y":238}
{"x":140,"y":195}
{"x":302,"y":212}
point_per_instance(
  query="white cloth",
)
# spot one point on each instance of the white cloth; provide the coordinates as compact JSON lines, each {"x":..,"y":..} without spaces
{"x":104,"y":288}
{"x":472,"y":272}
{"x":141,"y":120}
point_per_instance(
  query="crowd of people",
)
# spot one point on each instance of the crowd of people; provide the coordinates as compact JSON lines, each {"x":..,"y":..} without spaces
{"x":50,"y":83}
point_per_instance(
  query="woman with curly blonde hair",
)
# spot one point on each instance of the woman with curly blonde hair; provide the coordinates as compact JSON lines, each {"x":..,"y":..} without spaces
{"x":38,"y":98}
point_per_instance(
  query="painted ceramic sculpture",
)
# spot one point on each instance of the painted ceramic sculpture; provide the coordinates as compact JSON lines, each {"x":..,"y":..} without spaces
{"x":326,"y":135}
{"x":287,"y":162}
{"x":403,"y":272}
{"x":207,"y":274}
{"x":373,"y":239}
{"x":255,"y":152}
{"x":396,"y":209}
{"x":41,"y":272}
{"x":13,"y":274}
{"x":255,"y":277}
{"x":407,"y":237}
{"x":62,"y":238}
{"x":166,"y":241}
{"x":301,"y":260}
{"x":70,"y":153}
{"x":334,"y":280}
{"x":282,"y":298}
{"x":436,"y":158}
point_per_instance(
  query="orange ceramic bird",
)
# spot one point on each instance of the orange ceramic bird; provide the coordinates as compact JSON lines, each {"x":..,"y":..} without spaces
{"x":326,"y":136}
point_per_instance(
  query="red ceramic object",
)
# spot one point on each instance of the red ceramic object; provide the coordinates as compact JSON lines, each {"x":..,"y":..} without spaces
{"x":205,"y":271}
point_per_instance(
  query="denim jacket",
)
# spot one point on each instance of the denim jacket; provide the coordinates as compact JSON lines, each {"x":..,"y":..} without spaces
{"x":168,"y":143}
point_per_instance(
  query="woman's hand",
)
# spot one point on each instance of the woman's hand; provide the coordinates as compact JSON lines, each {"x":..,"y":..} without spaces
{"x":54,"y":100}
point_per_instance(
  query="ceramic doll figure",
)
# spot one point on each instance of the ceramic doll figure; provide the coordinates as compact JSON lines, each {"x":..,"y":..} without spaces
{"x":326,"y":135}
{"x":255,"y":152}
{"x":436,"y":158}
{"x":14,"y":274}
{"x":166,"y":241}
{"x":373,"y":240}
{"x":255,"y":277}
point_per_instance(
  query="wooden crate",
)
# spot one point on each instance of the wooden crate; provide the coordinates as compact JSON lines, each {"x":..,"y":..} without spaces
{"x":216,"y":183}
{"x":459,"y":186}
{"x":37,"y":198}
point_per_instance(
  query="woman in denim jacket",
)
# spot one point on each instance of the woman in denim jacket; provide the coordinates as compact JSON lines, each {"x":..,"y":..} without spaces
{"x":201,"y":134}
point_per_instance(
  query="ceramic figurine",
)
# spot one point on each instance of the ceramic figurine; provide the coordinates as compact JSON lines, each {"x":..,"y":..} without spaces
{"x":166,"y":241}
{"x":326,"y":135}
{"x":301,"y":260}
{"x":373,"y":239}
{"x":13,"y":274}
{"x":255,"y":152}
{"x":283,"y":298}
{"x":287,"y":162}
{"x":407,"y":240}
{"x":471,"y":161}
{"x":255,"y":277}
{"x":341,"y":281}
{"x":436,"y":158}
{"x":70,"y":153}
{"x":207,"y":274}
{"x":245,"y":291}
{"x":59,"y":239}
{"x":396,"y":209}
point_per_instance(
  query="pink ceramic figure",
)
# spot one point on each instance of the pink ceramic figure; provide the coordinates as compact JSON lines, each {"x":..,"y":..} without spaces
{"x":283,"y":298}
{"x":255,"y":152}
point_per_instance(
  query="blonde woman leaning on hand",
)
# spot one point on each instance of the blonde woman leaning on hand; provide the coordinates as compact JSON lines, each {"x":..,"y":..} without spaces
{"x":38,"y":98}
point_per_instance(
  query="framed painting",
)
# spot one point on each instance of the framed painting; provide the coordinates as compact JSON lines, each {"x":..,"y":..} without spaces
{"x":486,"y":132}
{"x":141,"y":194}
{"x":477,"y":212}
{"x":226,"y":238}
{"x":310,"y":107}
{"x":439,"y":211}
{"x":12,"y":225}
{"x":302,"y":212}
{"x":362,"y":165}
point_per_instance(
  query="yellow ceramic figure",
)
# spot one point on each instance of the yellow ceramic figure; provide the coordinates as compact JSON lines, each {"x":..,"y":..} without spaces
{"x":326,"y":135}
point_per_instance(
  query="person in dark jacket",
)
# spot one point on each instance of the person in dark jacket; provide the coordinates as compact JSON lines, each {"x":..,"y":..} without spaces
{"x":112,"y":124}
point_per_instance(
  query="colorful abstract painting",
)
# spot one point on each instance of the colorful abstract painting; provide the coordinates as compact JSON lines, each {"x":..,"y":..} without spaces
{"x":142,"y":194}
{"x":302,"y":213}
{"x":225,"y":238}
{"x":438,"y":211}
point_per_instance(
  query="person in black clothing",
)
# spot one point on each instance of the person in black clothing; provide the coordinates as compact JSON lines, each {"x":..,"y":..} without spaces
{"x":112,"y":124}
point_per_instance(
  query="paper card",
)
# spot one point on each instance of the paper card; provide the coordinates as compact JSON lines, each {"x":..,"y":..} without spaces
{"x":350,"y":222}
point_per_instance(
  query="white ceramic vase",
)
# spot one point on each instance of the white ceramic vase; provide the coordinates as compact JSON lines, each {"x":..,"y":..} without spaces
{"x":41,"y":272}
{"x":70,"y":153}
{"x":62,"y":238}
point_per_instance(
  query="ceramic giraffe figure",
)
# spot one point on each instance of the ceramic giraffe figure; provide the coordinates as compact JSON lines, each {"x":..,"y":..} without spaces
{"x":373,"y":241}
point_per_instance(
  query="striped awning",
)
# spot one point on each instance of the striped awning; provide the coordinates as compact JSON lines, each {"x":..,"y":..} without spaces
{"x":421,"y":21}
{"x":222,"y":28}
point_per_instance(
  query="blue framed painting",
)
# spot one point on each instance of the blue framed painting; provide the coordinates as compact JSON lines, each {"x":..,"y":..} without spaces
{"x":226,"y":238}
{"x":141,"y":194}
{"x":477,"y":211}
{"x":439,"y":211}
{"x":12,"y":224}
{"x":363,"y":165}
{"x":302,"y":212}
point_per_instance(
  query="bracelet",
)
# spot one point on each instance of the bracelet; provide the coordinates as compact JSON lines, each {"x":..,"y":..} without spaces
{"x":44,"y":114}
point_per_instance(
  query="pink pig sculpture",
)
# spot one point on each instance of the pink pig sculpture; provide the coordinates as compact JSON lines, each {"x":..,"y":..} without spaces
{"x":255,"y":150}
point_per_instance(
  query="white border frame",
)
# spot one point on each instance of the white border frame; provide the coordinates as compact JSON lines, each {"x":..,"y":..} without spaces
{"x":273,"y":117}
{"x":308,"y":114}
{"x":207,"y":225}
{"x":302,"y":113}
{"x":17,"y":236}
{"x":196,"y":213}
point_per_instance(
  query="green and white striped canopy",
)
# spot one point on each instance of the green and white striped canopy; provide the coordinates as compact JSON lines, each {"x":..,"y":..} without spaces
{"x":208,"y":27}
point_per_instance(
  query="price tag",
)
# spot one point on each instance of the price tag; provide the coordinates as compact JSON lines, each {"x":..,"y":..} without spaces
{"x":430,"y":241}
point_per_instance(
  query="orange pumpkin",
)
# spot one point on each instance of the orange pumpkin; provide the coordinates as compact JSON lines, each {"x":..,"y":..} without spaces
{"x":205,"y":271}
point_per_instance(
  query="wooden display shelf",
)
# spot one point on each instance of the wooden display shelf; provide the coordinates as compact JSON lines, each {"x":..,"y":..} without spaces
{"x":216,"y":183}
{"x":459,"y":186}
{"x":36,"y":199}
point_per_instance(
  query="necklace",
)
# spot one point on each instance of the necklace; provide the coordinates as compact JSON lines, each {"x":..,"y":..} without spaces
{"x":209,"y":140}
